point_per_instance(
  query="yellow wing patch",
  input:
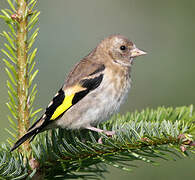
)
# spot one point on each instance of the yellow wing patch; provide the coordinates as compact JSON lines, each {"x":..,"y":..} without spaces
{"x":67,"y":102}
{"x":63,"y":107}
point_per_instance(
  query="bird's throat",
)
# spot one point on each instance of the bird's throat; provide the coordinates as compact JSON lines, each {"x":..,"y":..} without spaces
{"x":123,"y":63}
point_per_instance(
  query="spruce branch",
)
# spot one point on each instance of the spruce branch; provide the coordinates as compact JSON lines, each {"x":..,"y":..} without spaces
{"x":21,"y":19}
{"x":22,"y":71}
{"x":150,"y":135}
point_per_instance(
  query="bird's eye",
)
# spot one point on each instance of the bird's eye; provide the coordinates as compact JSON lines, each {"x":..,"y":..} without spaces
{"x":123,"y":48}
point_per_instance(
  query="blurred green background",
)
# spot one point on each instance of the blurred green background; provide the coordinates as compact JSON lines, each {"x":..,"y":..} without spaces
{"x":70,"y":29}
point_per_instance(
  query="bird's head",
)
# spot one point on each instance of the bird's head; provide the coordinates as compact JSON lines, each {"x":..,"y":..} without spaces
{"x":120,"y":50}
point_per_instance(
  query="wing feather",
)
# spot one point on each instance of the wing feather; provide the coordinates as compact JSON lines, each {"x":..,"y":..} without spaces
{"x":68,"y":96}
{"x":86,"y":85}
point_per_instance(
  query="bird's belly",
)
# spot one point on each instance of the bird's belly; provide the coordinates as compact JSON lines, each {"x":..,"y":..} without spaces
{"x":106,"y":107}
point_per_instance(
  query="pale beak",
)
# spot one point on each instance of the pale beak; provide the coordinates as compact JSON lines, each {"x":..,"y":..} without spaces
{"x":137,"y":52}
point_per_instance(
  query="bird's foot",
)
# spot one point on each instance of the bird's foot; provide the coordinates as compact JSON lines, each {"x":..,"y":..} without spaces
{"x":108,"y":133}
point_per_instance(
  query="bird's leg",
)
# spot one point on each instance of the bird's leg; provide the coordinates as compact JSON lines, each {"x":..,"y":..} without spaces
{"x":108,"y":133}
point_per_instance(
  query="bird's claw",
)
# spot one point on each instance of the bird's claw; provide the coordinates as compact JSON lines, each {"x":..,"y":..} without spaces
{"x":108,"y":133}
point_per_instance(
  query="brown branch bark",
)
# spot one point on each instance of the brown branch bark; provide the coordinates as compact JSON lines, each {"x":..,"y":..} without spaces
{"x":22,"y":70}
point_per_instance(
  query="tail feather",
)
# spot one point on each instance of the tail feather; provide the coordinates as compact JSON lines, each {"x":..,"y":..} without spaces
{"x":33,"y":133}
{"x":37,"y":127}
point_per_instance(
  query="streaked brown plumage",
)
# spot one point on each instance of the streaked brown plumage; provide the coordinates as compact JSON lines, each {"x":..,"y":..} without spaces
{"x":93,"y":90}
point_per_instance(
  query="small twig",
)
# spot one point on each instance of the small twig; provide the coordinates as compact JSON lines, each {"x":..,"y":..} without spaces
{"x":22,"y":84}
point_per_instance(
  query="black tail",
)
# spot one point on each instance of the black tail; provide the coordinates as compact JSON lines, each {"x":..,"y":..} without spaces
{"x":33,"y":133}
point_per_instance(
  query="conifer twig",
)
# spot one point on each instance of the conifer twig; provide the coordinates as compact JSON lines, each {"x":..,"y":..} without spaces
{"x":20,"y":63}
{"x":22,"y":71}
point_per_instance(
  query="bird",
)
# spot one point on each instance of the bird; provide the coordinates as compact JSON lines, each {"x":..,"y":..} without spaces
{"x":93,"y":91}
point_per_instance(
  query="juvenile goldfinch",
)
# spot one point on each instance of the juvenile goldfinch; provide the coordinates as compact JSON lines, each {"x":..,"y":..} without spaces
{"x":93,"y":90}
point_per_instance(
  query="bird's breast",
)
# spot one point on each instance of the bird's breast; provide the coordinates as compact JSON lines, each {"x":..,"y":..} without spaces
{"x":109,"y":96}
